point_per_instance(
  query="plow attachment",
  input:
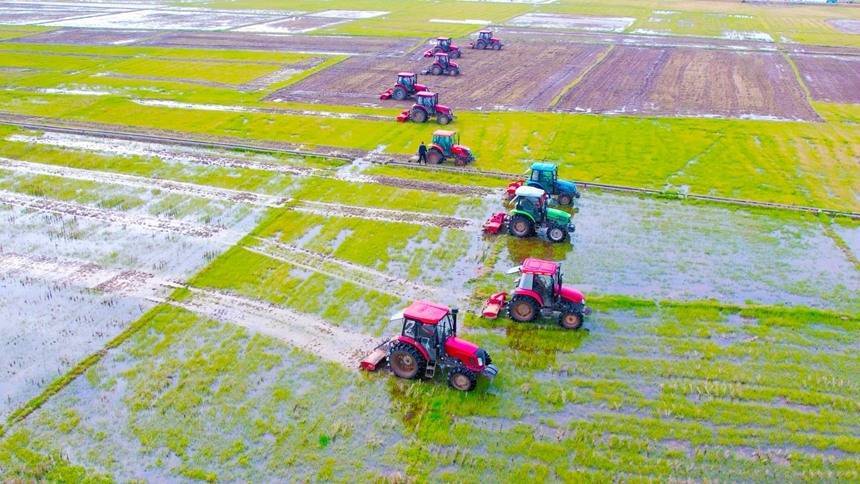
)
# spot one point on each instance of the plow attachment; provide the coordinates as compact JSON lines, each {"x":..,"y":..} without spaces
{"x":494,"y":305}
{"x":386,"y":94}
{"x":511,"y":190}
{"x":496,"y":223}
{"x":377,"y":358}
{"x":403,"y":116}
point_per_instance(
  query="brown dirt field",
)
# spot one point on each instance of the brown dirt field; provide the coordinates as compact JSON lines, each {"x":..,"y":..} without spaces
{"x":88,"y":37}
{"x":378,"y":46}
{"x":849,"y":26}
{"x":831,"y":78}
{"x":524,"y":76}
{"x":691,"y":82}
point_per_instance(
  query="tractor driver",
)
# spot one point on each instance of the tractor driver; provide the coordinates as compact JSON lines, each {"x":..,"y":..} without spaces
{"x":543,"y":286}
{"x":422,"y":153}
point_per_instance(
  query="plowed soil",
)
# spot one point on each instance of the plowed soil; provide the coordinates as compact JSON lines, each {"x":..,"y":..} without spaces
{"x":831,"y":78}
{"x":521,"y":76}
{"x":88,"y":37}
{"x":691,"y":82}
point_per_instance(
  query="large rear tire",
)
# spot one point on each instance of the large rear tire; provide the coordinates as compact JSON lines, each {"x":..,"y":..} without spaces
{"x":523,"y":309}
{"x":436,"y":70}
{"x":556,"y":234}
{"x":481,"y":45}
{"x":406,"y":361}
{"x":418,"y":116}
{"x":462,"y":379}
{"x":521,"y":226}
{"x":435,"y":157}
{"x":570,"y":320}
{"x":399,"y":94}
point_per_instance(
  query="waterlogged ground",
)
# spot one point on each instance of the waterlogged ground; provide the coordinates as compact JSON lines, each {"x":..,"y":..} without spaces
{"x":663,"y":249}
{"x":688,"y":391}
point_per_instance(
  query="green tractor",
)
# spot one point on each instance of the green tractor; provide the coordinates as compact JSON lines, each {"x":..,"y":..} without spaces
{"x":532,"y":216}
{"x":545,"y":177}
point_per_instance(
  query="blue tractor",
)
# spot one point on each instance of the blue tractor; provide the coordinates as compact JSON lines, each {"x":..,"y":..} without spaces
{"x":545,"y":177}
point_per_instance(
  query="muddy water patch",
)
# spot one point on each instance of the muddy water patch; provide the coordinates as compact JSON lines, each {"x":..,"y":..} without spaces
{"x":670,"y":250}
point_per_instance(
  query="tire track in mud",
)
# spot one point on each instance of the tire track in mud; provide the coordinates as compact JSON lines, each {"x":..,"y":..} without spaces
{"x":181,"y":188}
{"x":144,"y":222}
{"x":384,"y":215}
{"x":304,"y":331}
{"x":346,"y":271}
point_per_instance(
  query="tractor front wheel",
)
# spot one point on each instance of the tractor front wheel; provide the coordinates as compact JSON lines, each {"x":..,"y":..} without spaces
{"x":443,"y":118}
{"x":418,"y":116}
{"x":455,"y":72}
{"x":399,"y":94}
{"x":462,"y":379}
{"x":481,"y":45}
{"x":497,"y":46}
{"x":520,"y":226}
{"x":436,"y":70}
{"x":570,"y":320}
{"x":406,"y":361}
{"x":523,"y":309}
{"x":556,"y":234}
{"x":455,"y":54}
{"x":564,"y":199}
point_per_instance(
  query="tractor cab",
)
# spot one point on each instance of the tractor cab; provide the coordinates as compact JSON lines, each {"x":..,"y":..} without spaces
{"x":443,"y":43}
{"x":407,"y":80}
{"x":427,"y":100}
{"x":542,"y":277}
{"x":442,"y":59}
{"x":485,"y":35}
{"x":486,"y":40}
{"x":532,"y":201}
{"x":545,"y":177}
{"x":430,"y":324}
{"x":446,"y":140}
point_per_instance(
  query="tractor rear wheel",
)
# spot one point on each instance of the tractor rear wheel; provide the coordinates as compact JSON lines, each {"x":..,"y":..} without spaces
{"x":564,"y":199}
{"x":443,"y":118}
{"x":406,"y":361}
{"x":523,"y":309}
{"x":481,"y":45}
{"x":570,"y":320}
{"x":418,"y":116}
{"x":463,"y":379}
{"x":435,"y":157}
{"x":556,"y":234}
{"x":399,"y":94}
{"x":436,"y":70}
{"x":520,"y":226}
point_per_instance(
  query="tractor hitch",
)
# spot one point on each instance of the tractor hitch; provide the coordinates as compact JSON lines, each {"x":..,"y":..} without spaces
{"x":378,"y":358}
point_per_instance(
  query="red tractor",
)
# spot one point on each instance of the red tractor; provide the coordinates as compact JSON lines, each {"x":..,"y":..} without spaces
{"x":428,"y":342}
{"x":446,"y":144}
{"x":486,"y":41}
{"x":444,"y":45}
{"x":407,"y":86}
{"x":540,"y":292}
{"x":427,"y":106}
{"x":442,"y":65}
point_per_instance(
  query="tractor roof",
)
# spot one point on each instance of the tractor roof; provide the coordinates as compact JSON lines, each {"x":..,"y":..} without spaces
{"x":543,"y":166}
{"x":527,"y":191}
{"x":486,"y":31}
{"x":539,"y":266}
{"x":407,"y":74}
{"x":443,"y":38}
{"x":425,"y":94}
{"x":443,"y":132}
{"x":426,"y":312}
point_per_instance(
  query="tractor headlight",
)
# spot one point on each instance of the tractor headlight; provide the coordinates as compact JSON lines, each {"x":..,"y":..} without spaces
{"x":480,"y":361}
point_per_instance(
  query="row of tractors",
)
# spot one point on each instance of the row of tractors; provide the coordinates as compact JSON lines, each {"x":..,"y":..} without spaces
{"x":428,"y":343}
{"x":445,"y":144}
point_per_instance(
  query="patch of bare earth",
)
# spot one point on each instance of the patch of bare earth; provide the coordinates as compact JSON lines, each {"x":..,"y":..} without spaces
{"x":88,"y":37}
{"x":337,"y":210}
{"x":831,"y":78}
{"x":525,"y":75}
{"x":691,"y":82}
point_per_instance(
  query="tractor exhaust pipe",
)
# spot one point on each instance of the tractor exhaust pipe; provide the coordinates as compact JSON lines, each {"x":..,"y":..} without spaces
{"x":454,"y":313}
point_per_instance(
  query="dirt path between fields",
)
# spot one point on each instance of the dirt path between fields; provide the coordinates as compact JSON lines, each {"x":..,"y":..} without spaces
{"x":182,"y":188}
{"x":144,"y":222}
{"x":344,"y":270}
{"x":307,"y":332}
